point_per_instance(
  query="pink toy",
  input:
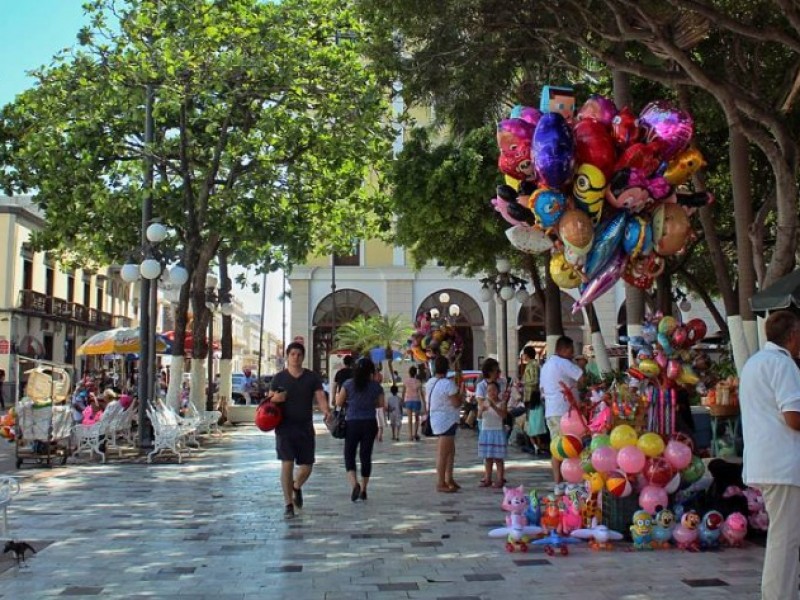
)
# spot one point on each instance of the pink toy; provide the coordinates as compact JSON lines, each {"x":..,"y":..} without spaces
{"x":517,"y":531}
{"x":758,"y":517}
{"x":686,"y":534}
{"x":571,"y":516}
{"x":734,"y":529}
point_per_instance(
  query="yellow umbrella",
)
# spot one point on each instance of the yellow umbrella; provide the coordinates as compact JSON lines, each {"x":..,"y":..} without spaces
{"x":124,"y":340}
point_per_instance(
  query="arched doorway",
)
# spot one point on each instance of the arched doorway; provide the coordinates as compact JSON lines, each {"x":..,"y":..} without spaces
{"x":469,"y":316}
{"x":349,"y":305}
{"x":530,"y":322}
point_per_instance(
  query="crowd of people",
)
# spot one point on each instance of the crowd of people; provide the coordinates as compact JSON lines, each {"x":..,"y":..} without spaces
{"x":93,"y":395}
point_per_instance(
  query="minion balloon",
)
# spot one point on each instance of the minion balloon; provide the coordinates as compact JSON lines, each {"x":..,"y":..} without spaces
{"x":589,"y":190}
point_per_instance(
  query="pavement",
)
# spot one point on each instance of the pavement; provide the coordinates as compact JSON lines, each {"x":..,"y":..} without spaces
{"x":212,"y":528}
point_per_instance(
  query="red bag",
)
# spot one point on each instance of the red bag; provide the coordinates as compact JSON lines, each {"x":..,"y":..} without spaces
{"x":268,"y":416}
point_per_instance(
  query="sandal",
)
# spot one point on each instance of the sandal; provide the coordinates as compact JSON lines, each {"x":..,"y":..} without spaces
{"x":499,"y":483}
{"x":445,"y":489}
{"x":483,"y":483}
{"x":454,"y":485}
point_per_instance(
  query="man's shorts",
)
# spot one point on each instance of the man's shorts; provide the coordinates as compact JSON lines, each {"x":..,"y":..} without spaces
{"x":554,"y":426}
{"x":296,"y":443}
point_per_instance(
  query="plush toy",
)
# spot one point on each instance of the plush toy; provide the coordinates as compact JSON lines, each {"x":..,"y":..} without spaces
{"x":599,"y":536}
{"x":534,"y":511}
{"x":734,"y":529}
{"x":710,"y":530}
{"x":758,"y":518}
{"x":686,"y":534}
{"x":571,"y":516}
{"x":642,"y":530}
{"x":663,"y":525}
{"x":551,"y":515}
{"x":517,"y":531}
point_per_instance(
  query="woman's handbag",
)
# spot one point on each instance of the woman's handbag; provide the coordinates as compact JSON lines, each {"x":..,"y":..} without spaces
{"x":337,"y":424}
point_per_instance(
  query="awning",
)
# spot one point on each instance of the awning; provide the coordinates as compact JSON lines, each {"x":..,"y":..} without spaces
{"x":784,"y":293}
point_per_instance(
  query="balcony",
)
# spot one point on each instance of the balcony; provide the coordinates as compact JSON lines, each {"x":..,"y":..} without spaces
{"x":36,"y":303}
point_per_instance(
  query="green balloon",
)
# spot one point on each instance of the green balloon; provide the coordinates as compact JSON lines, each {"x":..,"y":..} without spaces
{"x":586,"y":461}
{"x":694,"y":471}
{"x":599,"y":441}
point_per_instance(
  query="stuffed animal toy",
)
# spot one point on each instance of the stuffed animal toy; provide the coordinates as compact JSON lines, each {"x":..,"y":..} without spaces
{"x":710,"y":530}
{"x":599,"y":536}
{"x":734,"y":529}
{"x":686,"y":534}
{"x":517,"y":531}
{"x":571,"y":516}
{"x":758,"y":518}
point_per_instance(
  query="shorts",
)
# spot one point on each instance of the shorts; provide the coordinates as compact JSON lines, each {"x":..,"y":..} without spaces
{"x":415,"y":406}
{"x":554,"y":426}
{"x":450,"y":432}
{"x":296,"y":443}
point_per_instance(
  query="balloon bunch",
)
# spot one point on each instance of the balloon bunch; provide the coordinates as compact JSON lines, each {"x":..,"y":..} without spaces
{"x":434,"y":337}
{"x":601,"y":191}
{"x":7,"y":422}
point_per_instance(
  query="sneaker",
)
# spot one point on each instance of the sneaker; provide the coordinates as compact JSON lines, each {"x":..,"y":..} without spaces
{"x":298,"y":498}
{"x":288,"y":513}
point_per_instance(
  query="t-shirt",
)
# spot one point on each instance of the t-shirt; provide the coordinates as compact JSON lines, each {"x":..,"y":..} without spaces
{"x":394,"y":404}
{"x":441,"y":412}
{"x":556,"y":370}
{"x":361,"y":404}
{"x":480,"y":389}
{"x":768,"y":387}
{"x":530,"y":379}
{"x":341,"y":376}
{"x":491,"y":421}
{"x":411,"y":388}
{"x":299,"y":406}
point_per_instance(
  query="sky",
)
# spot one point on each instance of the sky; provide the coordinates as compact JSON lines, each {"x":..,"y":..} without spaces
{"x":31,"y":32}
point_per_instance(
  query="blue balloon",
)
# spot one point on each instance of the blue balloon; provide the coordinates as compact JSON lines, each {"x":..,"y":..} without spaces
{"x":607,"y":239}
{"x":548,"y":206}
{"x":553,"y":150}
{"x":638,"y":238}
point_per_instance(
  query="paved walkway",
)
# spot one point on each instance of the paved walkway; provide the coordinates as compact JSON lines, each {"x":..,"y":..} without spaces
{"x":213,"y":528}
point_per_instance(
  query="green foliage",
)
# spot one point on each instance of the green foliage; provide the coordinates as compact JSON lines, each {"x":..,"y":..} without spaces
{"x":363,"y":333}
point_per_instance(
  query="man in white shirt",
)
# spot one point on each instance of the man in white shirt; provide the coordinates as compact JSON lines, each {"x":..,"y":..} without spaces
{"x":557,"y":369}
{"x":769,"y":392}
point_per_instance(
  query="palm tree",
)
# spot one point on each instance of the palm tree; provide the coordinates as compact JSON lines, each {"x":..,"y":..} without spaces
{"x":362,"y":334}
{"x":391,"y":333}
{"x":358,"y":335}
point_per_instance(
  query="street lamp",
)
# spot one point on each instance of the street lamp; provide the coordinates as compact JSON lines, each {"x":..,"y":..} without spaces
{"x":215,"y":298}
{"x":678,"y":295}
{"x":151,"y":269}
{"x":507,"y":287}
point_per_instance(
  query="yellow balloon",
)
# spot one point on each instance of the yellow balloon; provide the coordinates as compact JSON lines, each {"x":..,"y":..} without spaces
{"x":514,"y":183}
{"x":688,"y":376}
{"x":623,"y":435}
{"x":651,"y":444}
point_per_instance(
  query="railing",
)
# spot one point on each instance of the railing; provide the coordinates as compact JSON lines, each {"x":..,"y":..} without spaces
{"x":36,"y":302}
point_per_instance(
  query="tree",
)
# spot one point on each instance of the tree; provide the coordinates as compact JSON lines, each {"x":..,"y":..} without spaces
{"x":363,"y":334}
{"x":356,"y":335}
{"x":391,"y":333}
{"x":266,"y":129}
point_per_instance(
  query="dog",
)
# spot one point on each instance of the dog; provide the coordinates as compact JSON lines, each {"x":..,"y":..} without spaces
{"x":19,"y":549}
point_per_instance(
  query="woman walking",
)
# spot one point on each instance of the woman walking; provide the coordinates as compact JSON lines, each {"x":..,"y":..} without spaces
{"x":362,"y":397}
{"x":444,"y":407}
{"x":414,"y":402}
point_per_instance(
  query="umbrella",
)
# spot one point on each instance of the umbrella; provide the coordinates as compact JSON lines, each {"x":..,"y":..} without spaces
{"x":124,"y":340}
{"x":784,"y":293}
{"x":379,"y":354}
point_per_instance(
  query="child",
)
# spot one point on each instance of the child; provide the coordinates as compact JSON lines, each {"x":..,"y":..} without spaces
{"x":395,"y":407}
{"x":492,"y":441}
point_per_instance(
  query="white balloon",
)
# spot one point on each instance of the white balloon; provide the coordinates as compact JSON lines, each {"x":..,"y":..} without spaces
{"x":529,"y":239}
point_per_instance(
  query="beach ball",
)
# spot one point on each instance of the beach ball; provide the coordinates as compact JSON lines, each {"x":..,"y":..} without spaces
{"x":571,"y":470}
{"x":658,"y":471}
{"x":651,"y":444}
{"x":594,"y":482}
{"x":694,"y":471}
{"x":678,"y":455}
{"x":618,"y":485}
{"x":573,"y":424}
{"x":599,"y":441}
{"x":623,"y":435}
{"x":653,"y":498}
{"x":566,"y":446}
{"x":631,"y":459}
{"x":604,"y":459}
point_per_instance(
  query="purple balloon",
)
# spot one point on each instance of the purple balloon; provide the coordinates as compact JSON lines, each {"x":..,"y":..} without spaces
{"x":607,"y":239}
{"x":603,"y":281}
{"x":597,"y":107}
{"x":671,"y":126}
{"x":526,"y":113}
{"x":553,"y":150}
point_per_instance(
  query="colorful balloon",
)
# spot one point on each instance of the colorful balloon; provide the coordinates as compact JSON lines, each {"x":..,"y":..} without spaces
{"x":651,"y":444}
{"x":599,"y":108}
{"x":672,"y":127}
{"x":653,"y":498}
{"x":514,"y":138}
{"x":553,"y":150}
{"x":638,"y":239}
{"x":594,"y":146}
{"x":697,"y":330}
{"x":589,"y":191}
{"x":649,"y":368}
{"x":671,"y":229}
{"x":604,"y":459}
{"x":627,"y":190}
{"x":573,"y":424}
{"x":678,"y":455}
{"x":563,"y":273}
{"x":602,"y":282}
{"x":625,"y":128}
{"x":642,"y":157}
{"x":571,"y":470}
{"x":631,"y":459}
{"x":618,"y":485}
{"x":586,"y":461}
{"x":607,"y":240}
{"x":642,"y":271}
{"x":658,"y":471}
{"x":694,"y":471}
{"x":567,"y":446}
{"x":600,"y":440}
{"x":548,"y":206}
{"x":575,"y":230}
{"x":623,"y":435}
{"x":594,"y":482}
{"x":684,"y":165}
{"x":526,"y":113}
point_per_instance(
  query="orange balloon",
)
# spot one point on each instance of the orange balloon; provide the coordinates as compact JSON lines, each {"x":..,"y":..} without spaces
{"x":575,"y":229}
{"x":670,"y":229}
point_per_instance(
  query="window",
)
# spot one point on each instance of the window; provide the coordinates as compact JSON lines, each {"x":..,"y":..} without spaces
{"x":100,"y":294}
{"x":27,"y":274}
{"x":86,"y":293}
{"x":49,"y":282}
{"x":71,"y":287}
{"x":349,"y":260}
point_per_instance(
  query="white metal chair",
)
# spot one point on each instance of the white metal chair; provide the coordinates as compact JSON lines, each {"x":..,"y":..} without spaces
{"x":90,"y":437}
{"x":167,"y":436}
{"x":9,"y":487}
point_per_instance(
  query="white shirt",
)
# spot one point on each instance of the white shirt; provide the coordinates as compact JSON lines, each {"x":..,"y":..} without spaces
{"x":491,"y":420}
{"x":441,"y":412}
{"x":768,"y":387}
{"x":555,"y":370}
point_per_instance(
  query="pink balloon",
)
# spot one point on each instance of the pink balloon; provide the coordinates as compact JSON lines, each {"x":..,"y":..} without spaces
{"x":572,"y":424}
{"x":652,"y":497}
{"x":631,"y":459}
{"x":604,"y":459}
{"x":572,"y":470}
{"x":678,"y":455}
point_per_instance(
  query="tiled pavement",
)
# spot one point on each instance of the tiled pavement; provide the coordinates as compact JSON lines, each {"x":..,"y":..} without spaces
{"x":212,"y":528}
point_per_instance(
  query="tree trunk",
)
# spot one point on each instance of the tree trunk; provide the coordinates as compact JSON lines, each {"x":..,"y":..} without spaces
{"x":226,"y":339}
{"x":782,"y":259}
{"x":178,"y":349}
{"x":553,"y":325}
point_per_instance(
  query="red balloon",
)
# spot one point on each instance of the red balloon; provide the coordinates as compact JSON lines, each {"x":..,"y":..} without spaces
{"x":680,"y":337}
{"x":645,"y":157}
{"x":697,"y":330}
{"x":268,"y":416}
{"x":593,"y":145}
{"x":658,"y":471}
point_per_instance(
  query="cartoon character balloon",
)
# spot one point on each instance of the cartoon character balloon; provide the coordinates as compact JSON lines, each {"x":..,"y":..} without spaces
{"x":548,"y":206}
{"x":589,"y":191}
{"x":514,"y":138}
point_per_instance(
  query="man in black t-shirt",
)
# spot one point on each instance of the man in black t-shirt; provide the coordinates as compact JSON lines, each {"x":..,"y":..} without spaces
{"x":295,"y":390}
{"x":343,"y":374}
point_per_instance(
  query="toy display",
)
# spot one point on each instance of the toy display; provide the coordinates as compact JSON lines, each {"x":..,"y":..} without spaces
{"x":610,"y":189}
{"x":734,"y":529}
{"x":710,"y":530}
{"x":663,"y":526}
{"x":599,"y":536}
{"x":642,"y":530}
{"x":517,"y":531}
{"x":686,"y":533}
